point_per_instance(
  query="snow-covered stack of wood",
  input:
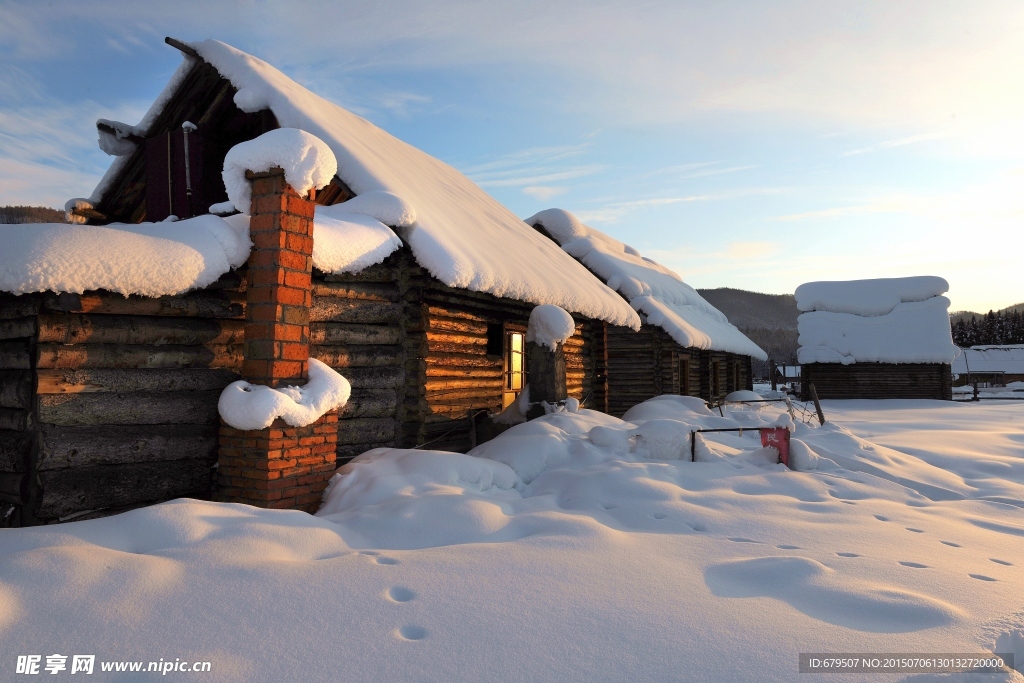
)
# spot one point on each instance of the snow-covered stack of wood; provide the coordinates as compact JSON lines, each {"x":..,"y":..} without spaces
{"x":881,"y":338}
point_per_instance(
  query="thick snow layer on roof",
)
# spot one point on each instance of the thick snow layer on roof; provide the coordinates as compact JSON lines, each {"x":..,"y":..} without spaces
{"x":914,"y":332}
{"x":348,"y":242}
{"x":461,"y":235}
{"x":171,"y":257}
{"x":152,"y":259}
{"x":654,"y":290}
{"x":254,"y":406}
{"x":1008,"y":359}
{"x":868,"y":297}
{"x":306,"y":160}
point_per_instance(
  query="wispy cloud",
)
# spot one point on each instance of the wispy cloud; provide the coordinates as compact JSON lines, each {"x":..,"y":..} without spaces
{"x":544,"y":192}
{"x":609,"y":213}
{"x":534,"y":170}
{"x":699,"y":169}
{"x":900,"y":142}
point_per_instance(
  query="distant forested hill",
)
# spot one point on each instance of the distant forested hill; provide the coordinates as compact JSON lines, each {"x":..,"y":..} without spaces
{"x":769,"y":320}
{"x":30,"y":214}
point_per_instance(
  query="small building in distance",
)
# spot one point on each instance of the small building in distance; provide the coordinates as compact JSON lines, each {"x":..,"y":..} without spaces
{"x":989,"y":365}
{"x":883,"y":338}
{"x":685,"y":345}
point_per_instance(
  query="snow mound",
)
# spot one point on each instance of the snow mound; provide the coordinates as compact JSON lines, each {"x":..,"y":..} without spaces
{"x":307,"y":161}
{"x":253,"y":406}
{"x":549,"y":326}
{"x":914,"y":332}
{"x":461,"y":235}
{"x":151,"y":259}
{"x":868,"y":297}
{"x":654,"y":290}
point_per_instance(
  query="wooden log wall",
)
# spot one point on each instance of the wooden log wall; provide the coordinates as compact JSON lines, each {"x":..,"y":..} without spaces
{"x":356,"y":327}
{"x":18,"y":423}
{"x":648,"y":363}
{"x":451,"y":379}
{"x":877,"y":380}
{"x":124,"y":390}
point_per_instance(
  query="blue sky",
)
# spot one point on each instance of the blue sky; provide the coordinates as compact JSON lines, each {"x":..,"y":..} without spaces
{"x":745,"y":144}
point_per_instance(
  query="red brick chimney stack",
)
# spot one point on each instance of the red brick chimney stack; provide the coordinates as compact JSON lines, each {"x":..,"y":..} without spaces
{"x":280,"y":466}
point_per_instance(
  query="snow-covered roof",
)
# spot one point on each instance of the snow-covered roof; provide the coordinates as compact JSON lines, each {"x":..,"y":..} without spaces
{"x":651,"y":288}
{"x":893,"y":320}
{"x":461,"y":235}
{"x":170,"y":257}
{"x":1008,"y":359}
{"x":867,"y":297}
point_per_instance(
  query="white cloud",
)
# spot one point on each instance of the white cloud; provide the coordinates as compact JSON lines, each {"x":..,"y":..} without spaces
{"x":544,"y":192}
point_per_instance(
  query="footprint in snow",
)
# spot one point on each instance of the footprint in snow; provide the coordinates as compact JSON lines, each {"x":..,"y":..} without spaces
{"x":400,"y":594}
{"x":982,"y":577}
{"x":369,"y":552}
{"x":788,"y":547}
{"x":1002,"y":562}
{"x":881,"y":518}
{"x":951,"y":544}
{"x":914,"y":565}
{"x":847,"y":554}
{"x":386,"y":560}
{"x":658,"y":515}
{"x":916,"y":531}
{"x":739,"y":539}
{"x":411,"y":632}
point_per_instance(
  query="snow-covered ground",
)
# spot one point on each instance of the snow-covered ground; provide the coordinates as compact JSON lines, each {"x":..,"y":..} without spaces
{"x":572,"y":548}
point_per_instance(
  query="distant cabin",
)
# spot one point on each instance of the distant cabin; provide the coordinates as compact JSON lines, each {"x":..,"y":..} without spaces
{"x":882,"y":338}
{"x":108,"y":394}
{"x":989,"y":365}
{"x":685,"y":345}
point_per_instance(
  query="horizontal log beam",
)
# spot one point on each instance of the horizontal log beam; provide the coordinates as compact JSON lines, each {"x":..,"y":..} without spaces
{"x":365,"y":430}
{"x":367,"y":291}
{"x":62,"y":447}
{"x":155,"y":330}
{"x":67,"y":491}
{"x":15,"y":328}
{"x":355,"y":311}
{"x":59,"y":356}
{"x":136,"y":408}
{"x":345,"y":333}
{"x":202,"y":304}
{"x":122,"y":380}
{"x":16,"y":389}
{"x":358,"y":356}
{"x":371,"y":403}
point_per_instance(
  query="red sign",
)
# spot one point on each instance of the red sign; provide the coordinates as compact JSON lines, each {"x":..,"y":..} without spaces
{"x":778,"y":438}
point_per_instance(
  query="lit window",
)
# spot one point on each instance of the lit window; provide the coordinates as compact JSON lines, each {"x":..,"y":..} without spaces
{"x":515,"y":367}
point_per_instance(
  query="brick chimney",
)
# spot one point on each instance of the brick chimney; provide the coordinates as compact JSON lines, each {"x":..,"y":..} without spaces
{"x":280,"y":466}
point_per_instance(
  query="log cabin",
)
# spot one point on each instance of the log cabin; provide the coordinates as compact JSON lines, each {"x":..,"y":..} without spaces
{"x":109,"y":391}
{"x":876,"y":339}
{"x":684,"y":345}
